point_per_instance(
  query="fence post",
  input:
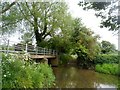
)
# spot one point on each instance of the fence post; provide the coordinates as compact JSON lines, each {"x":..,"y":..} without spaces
{"x":26,"y":47}
{"x":36,"y":50}
{"x":52,"y":52}
{"x":49,"y":51}
{"x":44,"y":51}
{"x":7,"y":47}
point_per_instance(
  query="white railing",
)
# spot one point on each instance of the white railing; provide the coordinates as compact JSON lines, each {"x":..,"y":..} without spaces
{"x":27,"y":48}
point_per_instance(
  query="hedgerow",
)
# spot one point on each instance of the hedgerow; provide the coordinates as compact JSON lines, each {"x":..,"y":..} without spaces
{"x":106,"y":58}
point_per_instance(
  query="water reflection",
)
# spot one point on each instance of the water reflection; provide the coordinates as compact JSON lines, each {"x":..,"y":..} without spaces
{"x":72,"y":77}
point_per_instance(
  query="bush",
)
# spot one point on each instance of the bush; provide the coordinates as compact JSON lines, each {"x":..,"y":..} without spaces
{"x":64,"y":58}
{"x":107,"y":68}
{"x":18,"y":73}
{"x":106,"y":58}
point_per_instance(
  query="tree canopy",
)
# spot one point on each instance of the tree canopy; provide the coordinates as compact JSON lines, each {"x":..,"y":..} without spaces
{"x":40,"y":18}
{"x":107,"y":47}
{"x":108,"y":11}
{"x":84,"y":43}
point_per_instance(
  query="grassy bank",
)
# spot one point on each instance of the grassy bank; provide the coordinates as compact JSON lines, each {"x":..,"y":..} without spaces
{"x":107,"y":68}
{"x":18,"y":73}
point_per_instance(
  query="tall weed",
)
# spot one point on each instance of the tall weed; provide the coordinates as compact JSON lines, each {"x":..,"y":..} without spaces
{"x":18,"y":73}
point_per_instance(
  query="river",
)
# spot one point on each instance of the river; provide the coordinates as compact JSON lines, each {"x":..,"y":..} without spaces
{"x":73,"y":77}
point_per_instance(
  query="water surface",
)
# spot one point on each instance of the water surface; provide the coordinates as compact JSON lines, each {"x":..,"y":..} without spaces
{"x":73,"y":77}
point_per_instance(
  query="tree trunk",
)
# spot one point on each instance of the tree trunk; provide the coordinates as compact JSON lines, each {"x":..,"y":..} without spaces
{"x":38,"y":35}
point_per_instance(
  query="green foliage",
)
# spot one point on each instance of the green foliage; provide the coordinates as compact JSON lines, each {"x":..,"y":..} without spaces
{"x":84,"y":43}
{"x":40,"y":19}
{"x":105,"y":10}
{"x":18,"y":73}
{"x":64,"y":58}
{"x":10,"y":18}
{"x":59,"y":43}
{"x":83,"y":60}
{"x":107,"y":47}
{"x":107,"y":68}
{"x":106,"y":58}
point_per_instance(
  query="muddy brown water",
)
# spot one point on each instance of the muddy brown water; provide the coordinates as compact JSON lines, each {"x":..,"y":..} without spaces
{"x":73,"y":77}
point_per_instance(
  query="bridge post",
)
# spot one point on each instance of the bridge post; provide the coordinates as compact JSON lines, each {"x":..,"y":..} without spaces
{"x":36,"y":51}
{"x":8,"y":47}
{"x":54,"y":61}
{"x":50,"y":51}
{"x":44,"y":51}
{"x":26,"y":46}
{"x":53,"y":52}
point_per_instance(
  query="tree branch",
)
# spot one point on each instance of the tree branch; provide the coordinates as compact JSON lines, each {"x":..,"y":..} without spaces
{"x":25,"y":15}
{"x":29,"y":9}
{"x":45,"y":24}
{"x":8,"y":7}
{"x":46,"y":35}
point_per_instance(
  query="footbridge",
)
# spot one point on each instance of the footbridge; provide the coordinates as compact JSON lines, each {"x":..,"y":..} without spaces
{"x":38,"y":54}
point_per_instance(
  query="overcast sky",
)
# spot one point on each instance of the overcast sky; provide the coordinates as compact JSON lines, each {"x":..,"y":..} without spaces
{"x":91,"y":21}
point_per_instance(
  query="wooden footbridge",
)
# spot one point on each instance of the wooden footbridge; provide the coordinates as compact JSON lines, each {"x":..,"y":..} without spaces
{"x":38,"y":54}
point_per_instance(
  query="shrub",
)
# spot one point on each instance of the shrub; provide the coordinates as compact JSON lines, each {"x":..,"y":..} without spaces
{"x":106,"y":58}
{"x":18,"y":73}
{"x":64,"y":58}
{"x":107,"y":68}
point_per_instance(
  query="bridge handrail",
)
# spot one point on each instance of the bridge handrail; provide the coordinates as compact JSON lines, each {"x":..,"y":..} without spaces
{"x":30,"y":49}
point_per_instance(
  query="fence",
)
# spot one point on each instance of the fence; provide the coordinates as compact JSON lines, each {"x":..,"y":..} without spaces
{"x":27,"y":48}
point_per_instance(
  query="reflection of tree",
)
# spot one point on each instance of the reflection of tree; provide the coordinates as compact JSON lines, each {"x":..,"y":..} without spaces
{"x":71,"y":77}
{"x":106,"y":79}
{"x":65,"y":78}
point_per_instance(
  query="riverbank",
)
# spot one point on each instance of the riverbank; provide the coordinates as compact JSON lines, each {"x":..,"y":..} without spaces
{"x":107,"y":69}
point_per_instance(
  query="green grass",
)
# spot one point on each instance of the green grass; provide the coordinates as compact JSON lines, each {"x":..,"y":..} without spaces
{"x":107,"y":69}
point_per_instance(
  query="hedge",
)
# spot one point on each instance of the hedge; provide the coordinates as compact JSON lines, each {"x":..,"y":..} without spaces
{"x":106,"y":58}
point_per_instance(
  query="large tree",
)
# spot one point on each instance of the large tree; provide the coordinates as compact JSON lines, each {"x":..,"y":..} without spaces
{"x":84,"y":44}
{"x":41,"y":18}
{"x":108,"y":11}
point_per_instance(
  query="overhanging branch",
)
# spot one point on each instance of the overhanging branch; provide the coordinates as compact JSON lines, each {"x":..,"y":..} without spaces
{"x":24,"y":15}
{"x":8,"y":7}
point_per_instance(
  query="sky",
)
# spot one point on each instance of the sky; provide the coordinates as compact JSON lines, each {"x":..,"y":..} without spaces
{"x":92,"y":22}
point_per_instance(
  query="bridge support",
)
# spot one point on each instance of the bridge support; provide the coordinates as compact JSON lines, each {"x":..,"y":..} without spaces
{"x":53,"y":61}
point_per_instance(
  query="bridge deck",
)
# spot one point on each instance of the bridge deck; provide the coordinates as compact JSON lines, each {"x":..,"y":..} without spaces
{"x":42,"y":56}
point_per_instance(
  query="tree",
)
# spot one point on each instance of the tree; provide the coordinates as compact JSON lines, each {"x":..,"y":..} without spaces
{"x":107,"y":11}
{"x":84,"y":44}
{"x":42,"y":18}
{"x":11,"y":19}
{"x":61,"y":39}
{"x":27,"y":38}
{"x":107,"y":47}
{"x":7,"y":7}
